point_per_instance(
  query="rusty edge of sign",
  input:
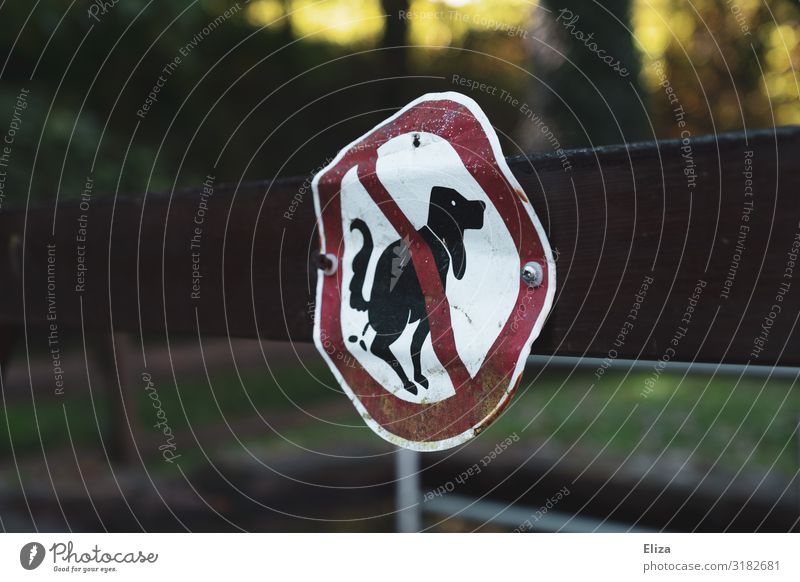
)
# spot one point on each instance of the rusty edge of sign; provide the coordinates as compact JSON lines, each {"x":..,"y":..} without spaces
{"x":429,"y":446}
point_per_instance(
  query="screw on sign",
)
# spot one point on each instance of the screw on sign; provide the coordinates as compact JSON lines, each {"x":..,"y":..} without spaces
{"x":437,"y":275}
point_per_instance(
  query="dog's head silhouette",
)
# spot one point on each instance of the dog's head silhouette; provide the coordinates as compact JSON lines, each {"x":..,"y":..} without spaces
{"x":449,"y":215}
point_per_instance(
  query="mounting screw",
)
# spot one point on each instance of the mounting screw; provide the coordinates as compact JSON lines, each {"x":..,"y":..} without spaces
{"x":328,"y":263}
{"x":532,"y":274}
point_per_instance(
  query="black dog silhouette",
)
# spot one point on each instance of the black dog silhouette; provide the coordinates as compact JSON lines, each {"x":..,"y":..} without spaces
{"x":396,"y":299}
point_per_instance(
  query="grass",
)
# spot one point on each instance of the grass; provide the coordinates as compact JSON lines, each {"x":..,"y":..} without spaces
{"x":715,"y":422}
{"x":712,"y":421}
{"x":189,"y":401}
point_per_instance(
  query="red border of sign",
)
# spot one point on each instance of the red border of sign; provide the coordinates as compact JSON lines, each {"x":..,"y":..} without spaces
{"x":478,"y":400}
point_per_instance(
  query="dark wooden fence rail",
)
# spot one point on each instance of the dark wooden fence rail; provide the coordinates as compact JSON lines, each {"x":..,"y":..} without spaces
{"x":681,"y":214}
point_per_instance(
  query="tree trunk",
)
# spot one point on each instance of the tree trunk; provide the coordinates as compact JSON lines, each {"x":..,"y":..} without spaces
{"x":586,"y":89}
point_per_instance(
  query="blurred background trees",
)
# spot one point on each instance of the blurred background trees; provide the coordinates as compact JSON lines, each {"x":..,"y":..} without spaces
{"x":585,"y":74}
{"x":280,"y":85}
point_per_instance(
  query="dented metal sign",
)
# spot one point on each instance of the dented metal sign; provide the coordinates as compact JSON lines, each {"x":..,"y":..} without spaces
{"x":437,"y":275}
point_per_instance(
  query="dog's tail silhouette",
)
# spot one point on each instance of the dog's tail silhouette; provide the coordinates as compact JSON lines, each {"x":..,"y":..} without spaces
{"x":360,"y":264}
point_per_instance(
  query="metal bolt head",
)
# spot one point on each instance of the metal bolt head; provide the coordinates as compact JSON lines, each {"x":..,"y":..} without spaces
{"x":327,"y":263}
{"x":532,"y":274}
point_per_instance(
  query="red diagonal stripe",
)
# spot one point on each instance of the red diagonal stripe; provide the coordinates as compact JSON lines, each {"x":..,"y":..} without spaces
{"x":436,"y":304}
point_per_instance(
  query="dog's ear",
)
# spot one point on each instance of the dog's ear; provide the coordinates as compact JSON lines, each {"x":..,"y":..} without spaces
{"x":458,"y":255}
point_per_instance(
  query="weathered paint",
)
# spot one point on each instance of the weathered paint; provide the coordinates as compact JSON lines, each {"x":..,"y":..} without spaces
{"x":428,"y":422}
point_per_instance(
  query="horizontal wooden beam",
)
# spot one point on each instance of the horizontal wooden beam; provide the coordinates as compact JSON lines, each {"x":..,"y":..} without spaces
{"x":675,"y":250}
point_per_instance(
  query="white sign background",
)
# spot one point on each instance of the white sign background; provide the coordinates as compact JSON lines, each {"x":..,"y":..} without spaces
{"x":480,"y":303}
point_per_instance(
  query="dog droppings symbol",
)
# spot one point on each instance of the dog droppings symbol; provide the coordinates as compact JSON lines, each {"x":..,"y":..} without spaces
{"x":427,"y":307}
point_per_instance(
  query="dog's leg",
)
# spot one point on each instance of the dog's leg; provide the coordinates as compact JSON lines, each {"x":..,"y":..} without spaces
{"x":380,"y":347}
{"x":422,"y":331}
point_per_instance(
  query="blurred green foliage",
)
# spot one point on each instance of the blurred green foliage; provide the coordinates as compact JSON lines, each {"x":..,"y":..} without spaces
{"x":279,"y":85}
{"x":706,"y":423}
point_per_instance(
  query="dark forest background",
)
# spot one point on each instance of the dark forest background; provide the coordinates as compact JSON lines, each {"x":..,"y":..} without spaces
{"x":279,"y":85}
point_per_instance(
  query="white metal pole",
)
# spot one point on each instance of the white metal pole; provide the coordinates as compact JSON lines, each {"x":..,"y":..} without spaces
{"x":407,"y":494}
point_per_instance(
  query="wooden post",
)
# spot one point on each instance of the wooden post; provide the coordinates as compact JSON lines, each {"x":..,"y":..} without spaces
{"x":8,"y":339}
{"x":111,"y":355}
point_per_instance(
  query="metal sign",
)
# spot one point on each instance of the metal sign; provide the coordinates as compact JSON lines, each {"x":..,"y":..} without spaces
{"x":436,"y":276}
